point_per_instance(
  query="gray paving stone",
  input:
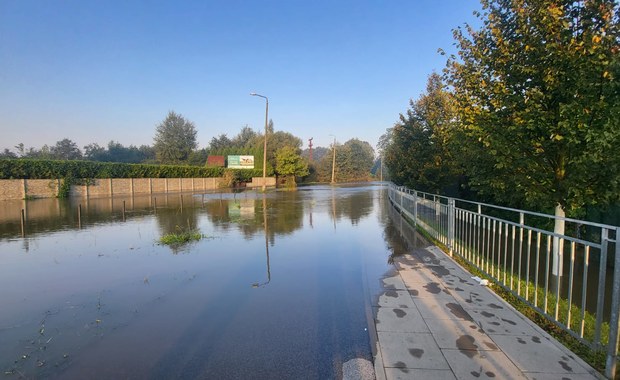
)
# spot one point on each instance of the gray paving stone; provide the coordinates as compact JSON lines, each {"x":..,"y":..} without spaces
{"x":401,"y":265}
{"x":431,"y":289}
{"x":395,"y":299}
{"x":502,"y":322}
{"x":560,"y":376}
{"x":462,"y":280}
{"x":441,"y":308}
{"x":538,"y":355}
{"x":437,"y":322}
{"x":412,"y":277}
{"x":461,"y":335}
{"x":411,"y":350}
{"x":403,"y":320}
{"x":483,"y":365}
{"x":477,"y":297}
{"x":418,"y":374}
{"x":394,"y":282}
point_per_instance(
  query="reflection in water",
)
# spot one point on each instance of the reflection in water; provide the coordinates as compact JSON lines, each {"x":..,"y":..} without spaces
{"x":256,"y":284}
{"x":401,"y":237}
{"x":106,"y":301}
{"x":175,"y":217}
{"x":225,"y":211}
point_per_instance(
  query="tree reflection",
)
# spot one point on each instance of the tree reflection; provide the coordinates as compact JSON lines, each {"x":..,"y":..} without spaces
{"x":177,"y":214}
{"x":246,"y":212}
{"x":354,"y":206}
{"x":401,"y":237}
{"x":283,"y":210}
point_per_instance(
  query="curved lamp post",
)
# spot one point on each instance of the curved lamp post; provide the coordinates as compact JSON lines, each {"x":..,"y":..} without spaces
{"x":265,"y":144}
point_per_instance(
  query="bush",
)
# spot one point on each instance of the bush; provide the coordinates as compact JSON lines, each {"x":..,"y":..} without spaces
{"x":53,"y":169}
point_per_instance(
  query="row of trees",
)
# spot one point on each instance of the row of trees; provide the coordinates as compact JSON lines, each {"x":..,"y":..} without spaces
{"x":175,"y":143}
{"x":527,"y":114}
{"x":66,"y":149}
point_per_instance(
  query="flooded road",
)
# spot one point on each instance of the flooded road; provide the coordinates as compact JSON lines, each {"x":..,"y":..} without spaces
{"x":279,"y":287}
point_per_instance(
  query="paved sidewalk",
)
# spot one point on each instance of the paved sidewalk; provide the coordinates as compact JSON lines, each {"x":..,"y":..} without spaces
{"x":433,"y":321}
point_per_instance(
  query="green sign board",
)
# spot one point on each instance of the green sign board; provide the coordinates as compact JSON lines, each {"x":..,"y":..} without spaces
{"x":241,"y":162}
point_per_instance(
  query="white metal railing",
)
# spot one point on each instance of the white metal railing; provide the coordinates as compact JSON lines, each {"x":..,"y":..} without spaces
{"x":573,"y":279}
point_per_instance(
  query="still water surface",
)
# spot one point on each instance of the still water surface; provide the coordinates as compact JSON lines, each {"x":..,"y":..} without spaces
{"x":279,"y":288}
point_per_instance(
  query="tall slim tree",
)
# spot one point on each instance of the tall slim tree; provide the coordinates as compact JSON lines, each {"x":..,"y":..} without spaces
{"x":175,"y":139}
{"x":66,"y":149}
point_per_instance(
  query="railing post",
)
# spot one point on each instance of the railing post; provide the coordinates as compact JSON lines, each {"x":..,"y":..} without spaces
{"x":451,"y":224}
{"x":415,"y":208}
{"x":601,"y":285}
{"x":614,"y":318}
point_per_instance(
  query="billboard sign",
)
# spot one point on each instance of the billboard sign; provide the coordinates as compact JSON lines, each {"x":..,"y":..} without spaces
{"x":241,"y":162}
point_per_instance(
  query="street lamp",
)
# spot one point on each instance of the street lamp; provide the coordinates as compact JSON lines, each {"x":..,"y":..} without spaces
{"x":334,"y":162}
{"x":265,"y":144}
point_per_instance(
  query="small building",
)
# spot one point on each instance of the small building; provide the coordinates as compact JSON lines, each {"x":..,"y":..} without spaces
{"x":216,"y":161}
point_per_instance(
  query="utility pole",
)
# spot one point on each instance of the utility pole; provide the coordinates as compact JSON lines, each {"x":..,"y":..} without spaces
{"x":310,"y":146}
{"x":334,"y":163}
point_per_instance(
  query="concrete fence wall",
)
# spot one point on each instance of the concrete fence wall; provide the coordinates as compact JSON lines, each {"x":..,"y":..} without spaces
{"x":108,"y":187}
{"x":27,"y":188}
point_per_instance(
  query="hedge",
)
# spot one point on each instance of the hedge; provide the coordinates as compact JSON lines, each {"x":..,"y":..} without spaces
{"x":53,"y":169}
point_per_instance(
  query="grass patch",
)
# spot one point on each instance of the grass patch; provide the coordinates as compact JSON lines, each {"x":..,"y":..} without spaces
{"x":181,"y":237}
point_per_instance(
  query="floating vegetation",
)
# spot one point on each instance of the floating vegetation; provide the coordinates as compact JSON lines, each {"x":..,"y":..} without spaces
{"x":181,"y":237}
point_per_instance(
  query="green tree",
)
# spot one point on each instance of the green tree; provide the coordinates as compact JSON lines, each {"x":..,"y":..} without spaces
{"x":244,"y":137}
{"x":175,"y":139}
{"x":355,"y":160}
{"x":66,"y":149}
{"x":275,"y":141}
{"x":289,"y":164}
{"x":198,"y":157}
{"x":7,"y":154}
{"x":538,"y":98}
{"x":219,"y":143}
{"x":417,"y":150}
{"x":94,"y":152}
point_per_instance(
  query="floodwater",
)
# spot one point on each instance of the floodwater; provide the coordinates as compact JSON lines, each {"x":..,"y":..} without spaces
{"x":279,"y":287}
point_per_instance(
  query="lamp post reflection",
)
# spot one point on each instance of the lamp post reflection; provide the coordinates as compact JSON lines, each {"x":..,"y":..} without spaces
{"x":256,"y":284}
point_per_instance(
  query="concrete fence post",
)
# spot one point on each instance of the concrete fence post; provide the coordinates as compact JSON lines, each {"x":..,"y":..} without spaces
{"x":415,"y":208}
{"x":451,"y":224}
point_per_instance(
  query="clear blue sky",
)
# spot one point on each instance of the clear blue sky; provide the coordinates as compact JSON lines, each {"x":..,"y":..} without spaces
{"x":95,"y":71}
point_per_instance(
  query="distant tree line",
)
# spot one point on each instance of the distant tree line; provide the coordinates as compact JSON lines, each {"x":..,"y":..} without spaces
{"x":175,"y":143}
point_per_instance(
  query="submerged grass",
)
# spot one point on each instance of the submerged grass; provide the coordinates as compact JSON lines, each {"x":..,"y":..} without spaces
{"x":181,"y":237}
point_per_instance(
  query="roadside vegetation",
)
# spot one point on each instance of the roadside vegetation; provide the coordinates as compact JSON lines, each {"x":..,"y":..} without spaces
{"x":525,"y":115}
